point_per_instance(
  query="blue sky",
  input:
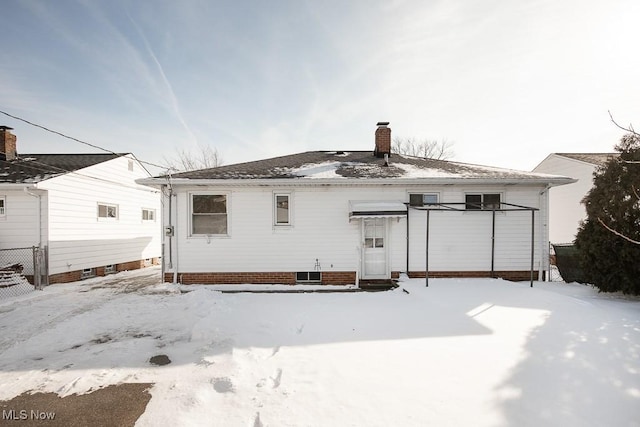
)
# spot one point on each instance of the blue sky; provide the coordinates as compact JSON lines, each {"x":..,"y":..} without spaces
{"x":508,"y":82}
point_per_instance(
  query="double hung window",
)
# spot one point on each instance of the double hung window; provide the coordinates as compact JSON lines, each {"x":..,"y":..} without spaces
{"x":209,"y":214}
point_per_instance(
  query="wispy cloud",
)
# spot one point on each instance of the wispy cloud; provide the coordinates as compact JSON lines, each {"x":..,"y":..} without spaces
{"x":172,"y":96}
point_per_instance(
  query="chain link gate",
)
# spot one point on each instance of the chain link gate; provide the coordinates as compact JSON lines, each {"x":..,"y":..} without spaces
{"x":22,"y":270}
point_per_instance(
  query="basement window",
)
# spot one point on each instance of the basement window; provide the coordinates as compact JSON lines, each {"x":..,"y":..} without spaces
{"x":2,"y":206}
{"x":308,"y":277}
{"x":109,"y":269}
{"x":485,"y":201}
{"x":88,"y":273}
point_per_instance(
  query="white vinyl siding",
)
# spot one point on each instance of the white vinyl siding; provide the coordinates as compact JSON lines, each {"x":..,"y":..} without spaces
{"x":19,"y":227}
{"x":77,"y":240}
{"x":565,"y":202}
{"x":323,"y":232}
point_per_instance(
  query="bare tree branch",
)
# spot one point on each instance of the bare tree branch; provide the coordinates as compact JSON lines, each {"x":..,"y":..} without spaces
{"x":637,"y":242}
{"x":630,"y":129}
{"x":204,"y":157}
{"x":426,"y":149}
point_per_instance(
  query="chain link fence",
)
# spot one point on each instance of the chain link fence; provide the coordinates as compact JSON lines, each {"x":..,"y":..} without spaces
{"x":22,"y":270}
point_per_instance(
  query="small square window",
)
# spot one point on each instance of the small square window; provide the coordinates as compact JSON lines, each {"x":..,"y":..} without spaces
{"x":2,"y":206}
{"x":491,"y":201}
{"x":109,"y":269}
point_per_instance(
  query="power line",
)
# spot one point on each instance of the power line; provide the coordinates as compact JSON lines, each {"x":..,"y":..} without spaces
{"x":74,"y":139}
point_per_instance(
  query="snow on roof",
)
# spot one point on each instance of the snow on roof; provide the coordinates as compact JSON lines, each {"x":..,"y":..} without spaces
{"x":340,"y":165}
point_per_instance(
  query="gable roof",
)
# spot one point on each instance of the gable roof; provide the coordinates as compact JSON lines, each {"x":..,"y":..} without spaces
{"x":337,"y":166}
{"x":33,"y":168}
{"x":597,"y":159}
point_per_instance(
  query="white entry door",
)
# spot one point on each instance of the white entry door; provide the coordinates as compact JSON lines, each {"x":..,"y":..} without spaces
{"x":374,"y":248}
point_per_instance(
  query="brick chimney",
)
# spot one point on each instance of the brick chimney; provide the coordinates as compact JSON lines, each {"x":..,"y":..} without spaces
{"x":7,"y":144}
{"x":383,"y":140}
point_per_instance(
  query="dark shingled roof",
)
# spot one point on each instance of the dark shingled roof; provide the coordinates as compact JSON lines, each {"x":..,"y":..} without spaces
{"x":32,"y":168}
{"x":597,"y":159}
{"x":350,"y":164}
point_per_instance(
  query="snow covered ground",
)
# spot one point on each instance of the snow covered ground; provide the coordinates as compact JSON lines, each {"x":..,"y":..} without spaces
{"x":462,"y":352}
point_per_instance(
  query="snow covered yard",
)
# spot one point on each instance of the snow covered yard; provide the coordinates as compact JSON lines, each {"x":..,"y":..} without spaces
{"x":462,"y":352}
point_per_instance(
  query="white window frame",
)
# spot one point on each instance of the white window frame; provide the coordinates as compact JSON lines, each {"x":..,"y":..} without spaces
{"x":227,"y":195}
{"x":148,"y":210}
{"x":482,"y":194}
{"x":88,"y":273}
{"x":289,"y":222}
{"x":3,"y":206}
{"x":107,"y":205}
{"x":431,"y":193}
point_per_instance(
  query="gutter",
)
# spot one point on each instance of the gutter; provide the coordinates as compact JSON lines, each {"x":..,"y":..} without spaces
{"x":551,"y":180}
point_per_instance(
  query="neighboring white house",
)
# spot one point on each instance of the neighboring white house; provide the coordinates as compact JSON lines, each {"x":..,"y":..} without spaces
{"x":339,"y":217}
{"x":85,"y":209}
{"x":566,"y":208}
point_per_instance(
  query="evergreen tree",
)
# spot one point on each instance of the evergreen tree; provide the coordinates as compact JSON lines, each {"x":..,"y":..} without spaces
{"x":608,"y":241}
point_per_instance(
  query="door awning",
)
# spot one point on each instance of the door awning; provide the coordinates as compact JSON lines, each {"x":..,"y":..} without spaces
{"x":376,"y":209}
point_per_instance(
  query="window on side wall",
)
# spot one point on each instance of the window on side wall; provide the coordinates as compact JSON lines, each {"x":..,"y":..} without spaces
{"x":107,"y":211}
{"x":209,"y":215}
{"x":282,"y":212}
{"x":3,"y":203}
{"x":148,"y":214}
{"x":423,"y":199}
{"x":487,"y":201}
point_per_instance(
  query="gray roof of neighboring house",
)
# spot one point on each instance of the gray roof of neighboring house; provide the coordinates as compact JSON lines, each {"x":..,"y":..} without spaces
{"x":597,"y":159}
{"x":32,"y":168}
{"x":336,"y":165}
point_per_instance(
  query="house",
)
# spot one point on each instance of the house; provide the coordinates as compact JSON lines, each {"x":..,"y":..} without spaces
{"x":343,"y":217}
{"x":85,"y":211}
{"x":566,"y":208}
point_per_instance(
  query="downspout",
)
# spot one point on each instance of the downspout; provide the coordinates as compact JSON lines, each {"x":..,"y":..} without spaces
{"x":407,"y":269}
{"x":37,"y":275}
{"x":173,"y":218}
{"x":39,"y":197}
{"x":175,"y":239}
{"x":544,"y":246}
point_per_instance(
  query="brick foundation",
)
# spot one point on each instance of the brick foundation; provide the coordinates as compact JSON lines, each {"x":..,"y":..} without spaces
{"x":328,"y":277}
{"x":74,"y":276}
{"x":259,"y":278}
{"x":514,"y":276}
